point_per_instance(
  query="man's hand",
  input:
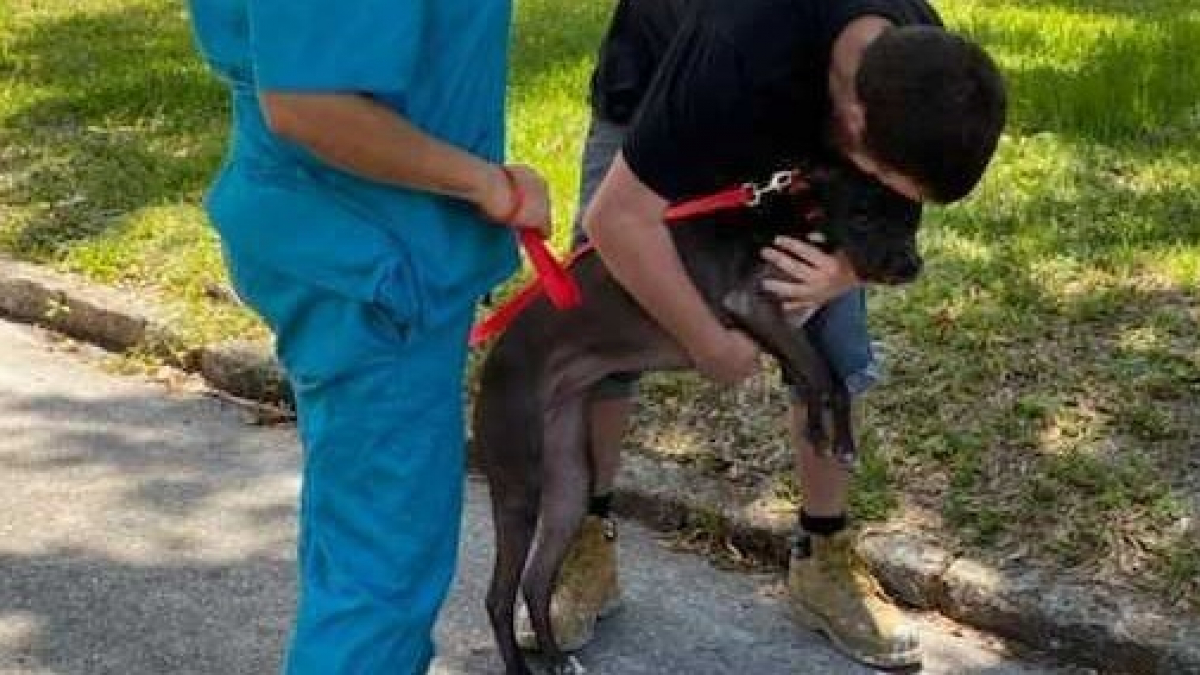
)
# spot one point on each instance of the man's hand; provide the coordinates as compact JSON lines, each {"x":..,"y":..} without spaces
{"x":815,"y":277}
{"x":499,"y":200}
{"x":729,"y":359}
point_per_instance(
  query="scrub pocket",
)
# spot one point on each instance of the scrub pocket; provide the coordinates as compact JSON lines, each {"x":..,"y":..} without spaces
{"x":301,"y":230}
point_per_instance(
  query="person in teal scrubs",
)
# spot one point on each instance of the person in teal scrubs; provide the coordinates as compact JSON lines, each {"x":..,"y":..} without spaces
{"x":363,"y":210}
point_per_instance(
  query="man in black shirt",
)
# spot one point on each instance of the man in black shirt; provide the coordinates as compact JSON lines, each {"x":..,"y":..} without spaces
{"x":693,"y":96}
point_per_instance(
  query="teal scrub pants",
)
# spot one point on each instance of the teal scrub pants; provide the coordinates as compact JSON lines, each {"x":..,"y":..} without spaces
{"x":381,"y":421}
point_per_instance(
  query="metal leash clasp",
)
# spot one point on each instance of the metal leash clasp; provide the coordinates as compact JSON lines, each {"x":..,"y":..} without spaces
{"x":780,"y":181}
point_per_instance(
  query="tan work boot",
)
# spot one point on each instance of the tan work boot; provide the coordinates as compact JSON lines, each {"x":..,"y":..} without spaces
{"x":831,"y":591}
{"x":587,"y":588}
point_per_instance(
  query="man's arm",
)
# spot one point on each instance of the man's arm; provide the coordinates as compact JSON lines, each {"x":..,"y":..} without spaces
{"x":354,"y":133}
{"x":625,"y":220}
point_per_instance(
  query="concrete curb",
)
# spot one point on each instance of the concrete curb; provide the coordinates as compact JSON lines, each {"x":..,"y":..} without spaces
{"x":1103,"y":628}
{"x":106,"y":317}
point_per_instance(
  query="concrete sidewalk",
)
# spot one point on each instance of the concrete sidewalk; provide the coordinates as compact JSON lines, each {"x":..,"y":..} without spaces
{"x":145,"y":530}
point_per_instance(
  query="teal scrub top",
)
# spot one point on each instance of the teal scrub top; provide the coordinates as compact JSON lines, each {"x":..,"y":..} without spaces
{"x":442,"y":65}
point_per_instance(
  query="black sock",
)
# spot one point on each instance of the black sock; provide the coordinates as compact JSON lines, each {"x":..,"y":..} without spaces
{"x":823,"y":525}
{"x":601,"y":505}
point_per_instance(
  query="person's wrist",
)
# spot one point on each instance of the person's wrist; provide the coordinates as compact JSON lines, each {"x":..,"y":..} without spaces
{"x":494,"y":195}
{"x":516,"y":196}
{"x":708,"y":344}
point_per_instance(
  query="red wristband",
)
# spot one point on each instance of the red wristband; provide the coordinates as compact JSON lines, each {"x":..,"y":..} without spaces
{"x":518,"y":196}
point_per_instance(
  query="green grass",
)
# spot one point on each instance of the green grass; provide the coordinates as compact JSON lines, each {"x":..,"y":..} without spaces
{"x":1060,"y":315}
{"x":110,"y":130}
{"x":1043,"y":373}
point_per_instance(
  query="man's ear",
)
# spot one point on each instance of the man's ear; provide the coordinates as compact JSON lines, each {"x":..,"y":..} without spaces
{"x":854,"y":118}
{"x":851,"y":135}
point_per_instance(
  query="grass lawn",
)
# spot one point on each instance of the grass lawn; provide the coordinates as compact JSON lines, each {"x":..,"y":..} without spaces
{"x":1044,"y":373}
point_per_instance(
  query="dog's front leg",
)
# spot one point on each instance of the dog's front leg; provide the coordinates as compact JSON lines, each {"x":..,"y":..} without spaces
{"x":758,"y":313}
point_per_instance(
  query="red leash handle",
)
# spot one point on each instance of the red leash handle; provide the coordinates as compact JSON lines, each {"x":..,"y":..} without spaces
{"x":559,"y":285}
{"x":491,"y":327}
{"x":551,"y":276}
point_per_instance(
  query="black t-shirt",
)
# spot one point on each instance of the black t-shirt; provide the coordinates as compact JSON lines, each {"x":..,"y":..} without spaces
{"x":740,"y":89}
{"x":638,"y":36}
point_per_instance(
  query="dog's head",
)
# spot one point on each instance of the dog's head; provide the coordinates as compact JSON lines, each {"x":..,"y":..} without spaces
{"x":874,"y":226}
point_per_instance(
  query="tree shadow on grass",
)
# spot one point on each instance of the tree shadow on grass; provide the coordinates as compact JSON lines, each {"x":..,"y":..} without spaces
{"x":1059,"y":385}
{"x":1095,"y":206}
{"x":1136,"y":9}
{"x":126,"y":115}
{"x":1075,"y":259}
{"x":118,"y":113}
{"x":1134,"y":86}
{"x":122,"y":67}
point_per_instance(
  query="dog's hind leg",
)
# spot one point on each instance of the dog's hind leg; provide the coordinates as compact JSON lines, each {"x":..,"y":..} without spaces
{"x":515,"y":521}
{"x":508,"y":437}
{"x":564,"y":500}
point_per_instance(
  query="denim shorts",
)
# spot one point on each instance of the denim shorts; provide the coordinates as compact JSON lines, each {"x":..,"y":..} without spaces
{"x":839,"y":328}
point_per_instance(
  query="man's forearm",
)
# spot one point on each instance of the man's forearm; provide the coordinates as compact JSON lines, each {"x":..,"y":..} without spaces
{"x":647,"y":265}
{"x":627,"y":228}
{"x":361,"y":136}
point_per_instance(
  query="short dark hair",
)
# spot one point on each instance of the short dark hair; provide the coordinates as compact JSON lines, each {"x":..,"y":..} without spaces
{"x":935,"y":107}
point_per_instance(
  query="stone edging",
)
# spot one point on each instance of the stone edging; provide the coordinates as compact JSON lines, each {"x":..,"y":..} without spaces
{"x":106,"y":317}
{"x":1106,"y":630}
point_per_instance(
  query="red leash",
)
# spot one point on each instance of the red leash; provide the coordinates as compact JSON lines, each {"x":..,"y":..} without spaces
{"x":561,"y":288}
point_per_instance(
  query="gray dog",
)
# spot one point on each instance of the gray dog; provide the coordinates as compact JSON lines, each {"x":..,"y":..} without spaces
{"x":529,"y":426}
